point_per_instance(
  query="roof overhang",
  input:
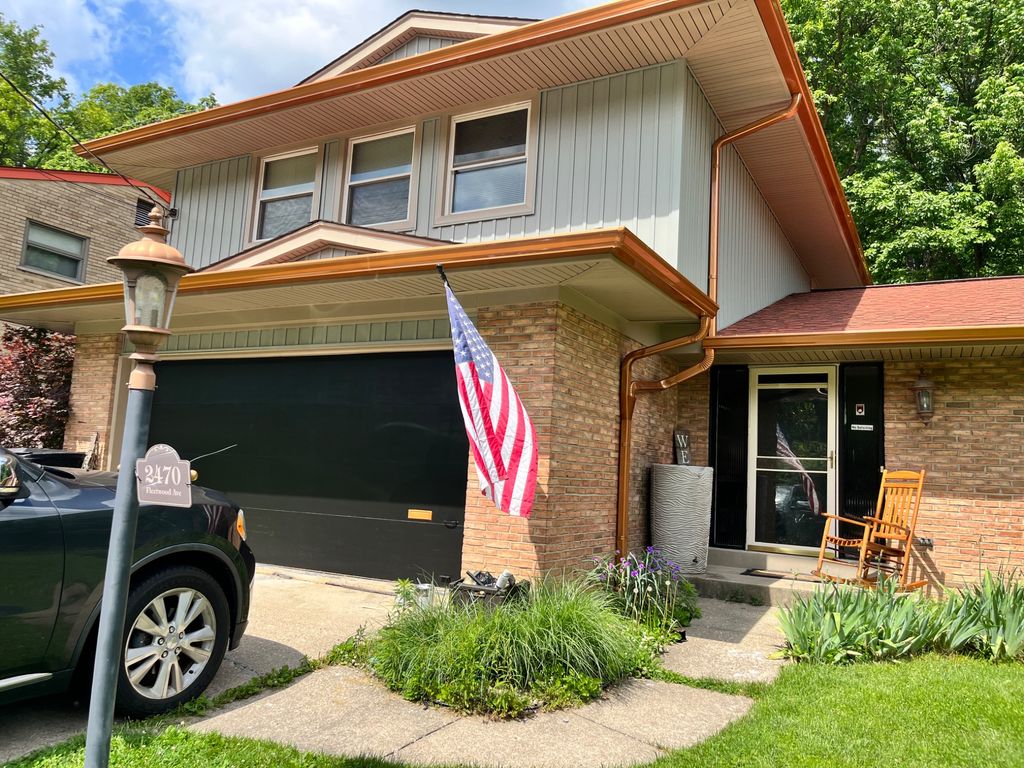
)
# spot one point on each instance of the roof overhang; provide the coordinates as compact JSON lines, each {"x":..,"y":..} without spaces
{"x":740,"y":51}
{"x":609,"y":271}
{"x":907,"y":344}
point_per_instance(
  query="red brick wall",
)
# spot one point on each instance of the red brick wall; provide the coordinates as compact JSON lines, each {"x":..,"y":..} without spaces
{"x":565,"y":367}
{"x":694,"y":414}
{"x":93,"y":386}
{"x":973,"y":452}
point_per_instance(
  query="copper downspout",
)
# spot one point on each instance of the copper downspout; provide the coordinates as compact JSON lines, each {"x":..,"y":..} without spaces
{"x":628,"y":389}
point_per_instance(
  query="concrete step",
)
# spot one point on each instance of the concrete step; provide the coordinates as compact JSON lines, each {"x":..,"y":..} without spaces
{"x":732,"y":585}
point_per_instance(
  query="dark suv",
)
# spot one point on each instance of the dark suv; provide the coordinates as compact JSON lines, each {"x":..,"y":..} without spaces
{"x":188,"y":601}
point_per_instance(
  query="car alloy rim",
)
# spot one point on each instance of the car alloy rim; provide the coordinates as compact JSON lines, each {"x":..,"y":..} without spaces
{"x":170,"y":643}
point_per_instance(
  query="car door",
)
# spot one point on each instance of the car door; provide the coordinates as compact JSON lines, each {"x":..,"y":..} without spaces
{"x":31,"y":577}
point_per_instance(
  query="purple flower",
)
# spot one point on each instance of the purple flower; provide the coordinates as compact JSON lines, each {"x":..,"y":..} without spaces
{"x":634,"y":573}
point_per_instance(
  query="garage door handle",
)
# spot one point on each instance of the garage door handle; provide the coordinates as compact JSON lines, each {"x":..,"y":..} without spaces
{"x":451,"y":523}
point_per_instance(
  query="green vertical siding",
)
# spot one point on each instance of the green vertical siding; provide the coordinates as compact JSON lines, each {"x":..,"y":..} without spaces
{"x":213,"y":205}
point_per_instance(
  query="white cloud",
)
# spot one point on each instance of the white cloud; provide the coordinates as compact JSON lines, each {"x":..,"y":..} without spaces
{"x":242,"y":48}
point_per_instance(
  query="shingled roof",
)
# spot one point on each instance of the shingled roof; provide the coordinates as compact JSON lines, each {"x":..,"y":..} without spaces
{"x":996,"y":302}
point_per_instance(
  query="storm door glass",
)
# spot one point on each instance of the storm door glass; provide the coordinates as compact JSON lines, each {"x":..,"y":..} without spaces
{"x":792,"y":456}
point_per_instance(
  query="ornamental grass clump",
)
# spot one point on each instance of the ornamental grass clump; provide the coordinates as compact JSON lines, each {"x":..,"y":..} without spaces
{"x":649,"y":589}
{"x":842,"y":624}
{"x":556,"y":645}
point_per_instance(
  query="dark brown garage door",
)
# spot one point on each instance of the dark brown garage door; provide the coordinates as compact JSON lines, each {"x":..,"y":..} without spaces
{"x":332,"y":454}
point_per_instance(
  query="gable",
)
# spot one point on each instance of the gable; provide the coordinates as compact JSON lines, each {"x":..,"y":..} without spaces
{"x":414,"y":33}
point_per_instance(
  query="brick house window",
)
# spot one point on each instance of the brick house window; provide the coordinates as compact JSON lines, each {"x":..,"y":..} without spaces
{"x":286,"y":188}
{"x":54,"y":252}
{"x":380,"y":176}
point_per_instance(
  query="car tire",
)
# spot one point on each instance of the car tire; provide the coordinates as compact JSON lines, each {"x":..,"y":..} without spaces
{"x":164,"y":664}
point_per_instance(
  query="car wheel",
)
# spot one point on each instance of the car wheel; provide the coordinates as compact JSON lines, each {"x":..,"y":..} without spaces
{"x":176,"y":633}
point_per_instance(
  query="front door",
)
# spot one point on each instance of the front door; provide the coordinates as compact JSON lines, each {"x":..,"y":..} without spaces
{"x":792,"y":448}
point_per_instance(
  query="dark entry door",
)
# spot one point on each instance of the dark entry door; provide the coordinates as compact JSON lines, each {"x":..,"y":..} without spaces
{"x":333,"y":453}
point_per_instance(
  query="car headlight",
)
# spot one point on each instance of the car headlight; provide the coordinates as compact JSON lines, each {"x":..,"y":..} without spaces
{"x":240,"y":523}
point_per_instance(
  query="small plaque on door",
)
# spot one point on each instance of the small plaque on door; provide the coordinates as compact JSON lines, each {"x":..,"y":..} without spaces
{"x":421,"y":514}
{"x":862,"y":427}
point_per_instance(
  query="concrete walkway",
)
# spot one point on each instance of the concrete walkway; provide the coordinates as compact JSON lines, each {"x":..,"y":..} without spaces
{"x":732,"y":641}
{"x":294,"y":614}
{"x":342,"y":711}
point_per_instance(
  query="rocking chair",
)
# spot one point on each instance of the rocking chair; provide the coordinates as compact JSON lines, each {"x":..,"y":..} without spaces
{"x":884,"y":547}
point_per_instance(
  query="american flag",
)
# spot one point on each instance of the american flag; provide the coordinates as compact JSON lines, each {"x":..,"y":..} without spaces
{"x":501,"y":435}
{"x":786,"y":454}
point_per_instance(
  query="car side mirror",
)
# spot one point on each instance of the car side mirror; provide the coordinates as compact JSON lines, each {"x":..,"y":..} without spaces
{"x":10,"y":485}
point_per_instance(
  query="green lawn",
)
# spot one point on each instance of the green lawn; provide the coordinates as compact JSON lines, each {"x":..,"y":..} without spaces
{"x":931,"y":712}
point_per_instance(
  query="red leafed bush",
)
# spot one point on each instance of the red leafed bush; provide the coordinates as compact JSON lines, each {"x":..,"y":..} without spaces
{"x":35,"y":384}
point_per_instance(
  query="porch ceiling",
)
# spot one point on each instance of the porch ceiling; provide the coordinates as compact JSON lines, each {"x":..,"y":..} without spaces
{"x":610,"y":269}
{"x":739,"y":50}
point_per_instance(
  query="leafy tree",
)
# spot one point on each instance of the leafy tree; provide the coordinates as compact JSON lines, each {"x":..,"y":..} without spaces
{"x":923,"y":104}
{"x":35,"y":386}
{"x":26,"y":59}
{"x":27,"y":139}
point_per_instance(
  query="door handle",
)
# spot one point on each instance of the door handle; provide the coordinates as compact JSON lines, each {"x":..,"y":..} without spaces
{"x":832,"y":459}
{"x":451,"y":523}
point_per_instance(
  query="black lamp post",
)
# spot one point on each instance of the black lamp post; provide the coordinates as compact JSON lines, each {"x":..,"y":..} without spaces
{"x":152,"y":270}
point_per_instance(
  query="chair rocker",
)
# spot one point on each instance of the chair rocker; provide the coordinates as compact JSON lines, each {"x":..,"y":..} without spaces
{"x":884,"y":547}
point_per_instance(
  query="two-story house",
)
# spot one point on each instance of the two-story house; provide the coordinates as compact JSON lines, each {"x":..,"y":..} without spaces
{"x":644,"y":175}
{"x":58,"y":227}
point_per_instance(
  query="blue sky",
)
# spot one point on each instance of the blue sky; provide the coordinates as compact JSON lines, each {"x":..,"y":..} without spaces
{"x":234,"y":48}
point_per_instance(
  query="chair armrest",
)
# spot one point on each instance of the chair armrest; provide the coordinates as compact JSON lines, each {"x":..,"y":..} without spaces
{"x":879,"y":521}
{"x":851,"y":521}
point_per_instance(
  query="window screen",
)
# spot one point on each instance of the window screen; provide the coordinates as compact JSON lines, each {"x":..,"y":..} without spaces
{"x":51,"y":250}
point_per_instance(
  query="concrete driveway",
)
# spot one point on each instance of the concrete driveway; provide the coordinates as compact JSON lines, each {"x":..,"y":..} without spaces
{"x":294,"y":614}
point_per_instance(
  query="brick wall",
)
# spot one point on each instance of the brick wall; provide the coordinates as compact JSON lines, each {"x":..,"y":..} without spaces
{"x":108,"y":225}
{"x":973,"y":452}
{"x":565,"y":367}
{"x":694,"y":414}
{"x":93,"y":386}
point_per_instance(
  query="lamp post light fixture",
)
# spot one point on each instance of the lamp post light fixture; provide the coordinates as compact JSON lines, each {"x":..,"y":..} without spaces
{"x":924,"y":394}
{"x":152,"y":270}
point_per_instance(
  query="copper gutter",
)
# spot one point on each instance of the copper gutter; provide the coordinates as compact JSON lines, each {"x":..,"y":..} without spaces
{"x":629,"y":389}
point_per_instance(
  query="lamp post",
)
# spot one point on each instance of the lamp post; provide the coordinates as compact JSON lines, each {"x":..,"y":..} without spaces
{"x":152,"y":270}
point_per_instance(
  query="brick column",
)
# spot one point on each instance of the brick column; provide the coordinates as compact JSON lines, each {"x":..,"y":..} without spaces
{"x":93,"y":386}
{"x":565,"y":366}
{"x":973,"y":452}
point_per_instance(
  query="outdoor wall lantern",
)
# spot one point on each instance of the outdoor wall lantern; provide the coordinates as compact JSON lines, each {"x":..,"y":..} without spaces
{"x":152,"y":270}
{"x":924,"y":391}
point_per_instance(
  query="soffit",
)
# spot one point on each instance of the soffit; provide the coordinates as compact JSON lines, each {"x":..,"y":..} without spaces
{"x":419,"y":85}
{"x":609,"y":268}
{"x":870,"y":354}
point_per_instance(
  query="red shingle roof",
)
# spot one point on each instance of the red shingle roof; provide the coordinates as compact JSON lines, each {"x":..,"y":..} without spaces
{"x":997,"y":301}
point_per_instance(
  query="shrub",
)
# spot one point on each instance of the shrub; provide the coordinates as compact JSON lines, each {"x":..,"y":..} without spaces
{"x":556,"y":645}
{"x":986,"y":619}
{"x":837,"y":624}
{"x":35,"y":384}
{"x":648,"y":588}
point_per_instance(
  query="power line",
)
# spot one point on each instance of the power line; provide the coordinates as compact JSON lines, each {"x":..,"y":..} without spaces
{"x":86,"y":186}
{"x":42,"y":110}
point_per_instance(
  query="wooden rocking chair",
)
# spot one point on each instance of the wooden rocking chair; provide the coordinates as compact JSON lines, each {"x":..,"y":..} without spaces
{"x":887,"y":540}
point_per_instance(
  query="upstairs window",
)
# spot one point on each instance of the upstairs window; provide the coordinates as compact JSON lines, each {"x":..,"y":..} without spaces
{"x":380,"y":172}
{"x":287,"y":183}
{"x":487,"y":160}
{"x":54,"y":252}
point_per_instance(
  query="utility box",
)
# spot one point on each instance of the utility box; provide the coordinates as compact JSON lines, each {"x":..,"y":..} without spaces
{"x":680,"y":502}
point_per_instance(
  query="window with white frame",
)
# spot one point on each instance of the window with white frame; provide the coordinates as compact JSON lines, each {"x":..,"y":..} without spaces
{"x":287,"y":183}
{"x":380,"y":171}
{"x":487,"y":160}
{"x":55,"y":252}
